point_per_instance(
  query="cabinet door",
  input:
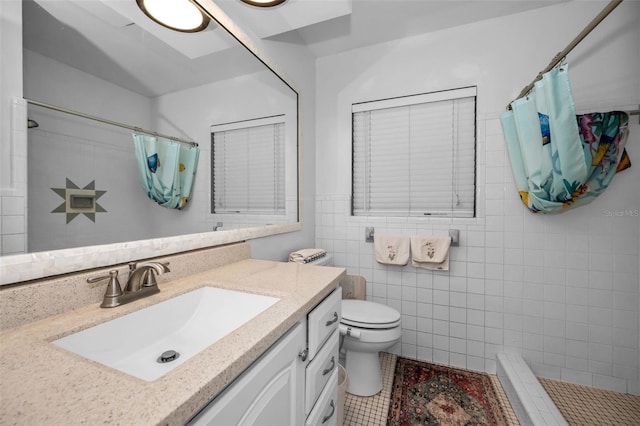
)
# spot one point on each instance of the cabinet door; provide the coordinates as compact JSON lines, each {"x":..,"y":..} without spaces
{"x":270,"y":392}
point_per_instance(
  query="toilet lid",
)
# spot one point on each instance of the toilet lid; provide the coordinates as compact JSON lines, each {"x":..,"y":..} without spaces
{"x":365,"y":314}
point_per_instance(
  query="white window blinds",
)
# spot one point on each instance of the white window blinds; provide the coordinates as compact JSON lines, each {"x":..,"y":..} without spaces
{"x":415,"y":156}
{"x":248,"y":167}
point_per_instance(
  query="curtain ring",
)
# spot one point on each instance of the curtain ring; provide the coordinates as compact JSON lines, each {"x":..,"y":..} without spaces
{"x":562,"y":63}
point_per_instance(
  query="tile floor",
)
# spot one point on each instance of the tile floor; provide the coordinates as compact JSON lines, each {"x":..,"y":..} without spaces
{"x":510,"y":415}
{"x":580,"y":405}
{"x":372,"y":410}
{"x":585,"y":405}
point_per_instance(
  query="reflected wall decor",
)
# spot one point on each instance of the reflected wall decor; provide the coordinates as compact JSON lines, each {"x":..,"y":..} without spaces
{"x":79,"y":200}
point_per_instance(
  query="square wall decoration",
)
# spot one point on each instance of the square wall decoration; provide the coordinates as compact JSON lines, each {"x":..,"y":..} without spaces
{"x":79,"y":200}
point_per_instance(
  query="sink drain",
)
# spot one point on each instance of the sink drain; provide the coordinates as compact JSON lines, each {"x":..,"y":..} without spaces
{"x":168,"y":356}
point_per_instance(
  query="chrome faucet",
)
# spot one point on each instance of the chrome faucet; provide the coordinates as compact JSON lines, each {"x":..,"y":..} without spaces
{"x":140,"y":283}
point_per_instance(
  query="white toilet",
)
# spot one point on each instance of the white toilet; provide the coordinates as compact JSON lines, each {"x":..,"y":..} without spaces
{"x":368,"y":328}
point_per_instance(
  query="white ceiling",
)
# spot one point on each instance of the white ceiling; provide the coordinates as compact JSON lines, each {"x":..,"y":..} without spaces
{"x":288,"y":16}
{"x":331,"y":26}
{"x":114,"y":40}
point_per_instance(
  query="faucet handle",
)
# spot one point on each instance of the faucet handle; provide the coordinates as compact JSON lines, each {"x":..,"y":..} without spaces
{"x":113,"y":289}
{"x":148,"y":279}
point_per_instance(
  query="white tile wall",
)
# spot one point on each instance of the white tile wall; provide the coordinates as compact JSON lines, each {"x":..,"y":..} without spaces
{"x":561,"y":290}
{"x":13,"y":229}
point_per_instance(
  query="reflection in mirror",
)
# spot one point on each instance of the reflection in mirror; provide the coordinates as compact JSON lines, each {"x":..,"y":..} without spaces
{"x":108,"y":60}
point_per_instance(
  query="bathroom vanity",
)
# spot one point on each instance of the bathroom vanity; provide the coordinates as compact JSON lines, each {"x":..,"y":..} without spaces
{"x":294,"y":383}
{"x":280,"y":366}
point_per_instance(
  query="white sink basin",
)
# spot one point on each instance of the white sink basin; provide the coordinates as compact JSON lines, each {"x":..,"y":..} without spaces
{"x":186,"y":324}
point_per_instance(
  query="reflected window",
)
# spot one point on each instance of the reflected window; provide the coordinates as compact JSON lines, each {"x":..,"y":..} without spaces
{"x":248,"y":172}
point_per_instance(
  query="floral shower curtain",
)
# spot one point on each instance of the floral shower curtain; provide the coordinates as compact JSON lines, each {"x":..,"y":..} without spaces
{"x":561,"y":160}
{"x":166,"y":170}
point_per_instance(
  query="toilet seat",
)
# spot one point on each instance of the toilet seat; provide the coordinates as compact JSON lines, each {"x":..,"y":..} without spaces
{"x":371,"y":315}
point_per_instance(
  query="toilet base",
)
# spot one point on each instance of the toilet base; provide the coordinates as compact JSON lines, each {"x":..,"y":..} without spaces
{"x":364,"y":372}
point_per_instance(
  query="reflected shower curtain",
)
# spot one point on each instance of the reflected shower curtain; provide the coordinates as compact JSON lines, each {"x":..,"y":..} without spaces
{"x":166,"y":170}
{"x":560,"y":160}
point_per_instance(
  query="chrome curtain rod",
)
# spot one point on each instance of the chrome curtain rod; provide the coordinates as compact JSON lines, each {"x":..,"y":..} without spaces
{"x":113,"y":123}
{"x":560,"y":56}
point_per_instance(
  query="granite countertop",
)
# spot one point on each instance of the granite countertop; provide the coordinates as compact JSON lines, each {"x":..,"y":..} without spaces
{"x":41,"y":383}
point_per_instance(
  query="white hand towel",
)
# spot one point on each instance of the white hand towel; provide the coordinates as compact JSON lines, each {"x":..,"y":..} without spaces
{"x":307,"y":255}
{"x":391,"y":249}
{"x":430,"y":252}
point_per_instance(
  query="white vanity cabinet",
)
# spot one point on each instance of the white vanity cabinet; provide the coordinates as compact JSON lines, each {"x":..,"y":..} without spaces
{"x":294,"y":383}
{"x":319,"y":371}
{"x":321,"y":376}
{"x":326,"y":411}
{"x":268,"y":393}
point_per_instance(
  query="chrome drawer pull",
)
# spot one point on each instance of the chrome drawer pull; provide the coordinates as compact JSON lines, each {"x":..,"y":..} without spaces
{"x":303,"y":354}
{"x":330,"y":369}
{"x":334,"y":320}
{"x":333,"y":410}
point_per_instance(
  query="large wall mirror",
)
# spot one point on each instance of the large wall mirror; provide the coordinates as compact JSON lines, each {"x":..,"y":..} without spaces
{"x":105,"y":59}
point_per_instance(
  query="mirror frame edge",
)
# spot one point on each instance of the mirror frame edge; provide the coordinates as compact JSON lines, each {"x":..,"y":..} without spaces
{"x":18,"y":268}
{"x":22,"y":267}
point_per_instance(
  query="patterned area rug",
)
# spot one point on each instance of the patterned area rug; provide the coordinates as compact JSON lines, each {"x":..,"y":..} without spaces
{"x":429,"y":394}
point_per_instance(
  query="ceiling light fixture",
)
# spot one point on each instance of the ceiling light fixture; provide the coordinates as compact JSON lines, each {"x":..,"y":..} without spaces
{"x":263,"y":3}
{"x":179,"y":15}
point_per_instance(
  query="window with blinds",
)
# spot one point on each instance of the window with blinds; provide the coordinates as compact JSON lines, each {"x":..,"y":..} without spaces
{"x":248,"y":167}
{"x":415,"y":155}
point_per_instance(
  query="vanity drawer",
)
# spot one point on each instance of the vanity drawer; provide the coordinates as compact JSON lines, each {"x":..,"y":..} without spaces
{"x":319,"y":370}
{"x":325,"y":413}
{"x":323,"y":321}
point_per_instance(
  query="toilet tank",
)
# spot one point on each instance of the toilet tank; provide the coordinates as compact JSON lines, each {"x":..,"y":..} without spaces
{"x":353,"y":286}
